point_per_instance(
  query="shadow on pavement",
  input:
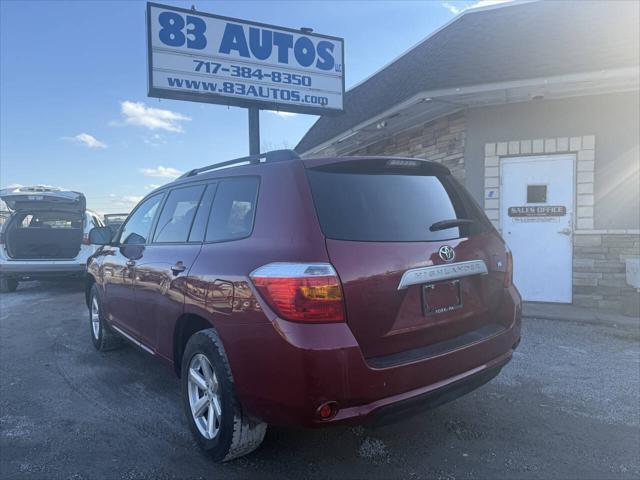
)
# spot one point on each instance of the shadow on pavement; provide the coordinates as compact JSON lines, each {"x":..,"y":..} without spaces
{"x":64,"y":285}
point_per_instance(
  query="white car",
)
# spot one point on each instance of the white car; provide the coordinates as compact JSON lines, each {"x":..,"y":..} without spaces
{"x":46,"y":235}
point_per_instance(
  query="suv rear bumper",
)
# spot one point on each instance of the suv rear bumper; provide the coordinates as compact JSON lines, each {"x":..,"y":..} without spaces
{"x":45,"y":268}
{"x":41,"y":268}
{"x":284,"y":374}
{"x":427,"y":397}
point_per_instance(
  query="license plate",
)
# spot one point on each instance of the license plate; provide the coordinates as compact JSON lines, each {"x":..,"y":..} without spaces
{"x":441,"y":297}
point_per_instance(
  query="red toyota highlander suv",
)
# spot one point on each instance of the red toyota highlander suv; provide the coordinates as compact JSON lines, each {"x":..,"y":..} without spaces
{"x":307,"y":292}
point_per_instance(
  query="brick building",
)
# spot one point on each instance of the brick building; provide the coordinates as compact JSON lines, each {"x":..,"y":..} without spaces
{"x":535,"y":107}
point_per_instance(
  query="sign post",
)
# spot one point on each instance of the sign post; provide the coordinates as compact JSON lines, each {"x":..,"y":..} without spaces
{"x":200,"y":57}
{"x":254,"y":131}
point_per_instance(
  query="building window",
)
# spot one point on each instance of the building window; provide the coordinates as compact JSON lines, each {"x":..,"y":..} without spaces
{"x":536,"y":194}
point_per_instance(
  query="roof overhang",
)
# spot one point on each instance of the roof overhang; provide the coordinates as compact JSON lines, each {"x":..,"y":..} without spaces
{"x":430,"y":105}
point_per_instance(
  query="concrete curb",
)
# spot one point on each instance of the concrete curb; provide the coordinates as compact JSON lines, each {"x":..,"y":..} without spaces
{"x":569,"y":313}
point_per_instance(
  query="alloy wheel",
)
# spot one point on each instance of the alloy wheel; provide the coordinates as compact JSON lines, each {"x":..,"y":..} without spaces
{"x":204,"y":396}
{"x":95,"y":318}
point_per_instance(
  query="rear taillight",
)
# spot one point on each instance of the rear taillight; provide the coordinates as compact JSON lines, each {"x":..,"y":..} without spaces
{"x":85,"y":239}
{"x":508,"y":270}
{"x":303,"y":292}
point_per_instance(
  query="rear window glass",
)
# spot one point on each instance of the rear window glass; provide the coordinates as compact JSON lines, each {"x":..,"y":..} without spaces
{"x":393,"y":207}
{"x":59,"y":220}
{"x":234,"y":207}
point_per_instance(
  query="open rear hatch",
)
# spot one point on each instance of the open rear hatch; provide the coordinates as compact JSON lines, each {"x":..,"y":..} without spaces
{"x":47,"y":223}
{"x":421,"y":266}
{"x":40,"y":199}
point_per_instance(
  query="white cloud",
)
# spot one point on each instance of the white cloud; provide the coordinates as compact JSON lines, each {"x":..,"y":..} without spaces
{"x":160,"y":171}
{"x":122,"y":202}
{"x":452,"y":8}
{"x":87,"y":140}
{"x":39,"y":185}
{"x":155,"y":140}
{"x":138,"y":114}
{"x":131,"y":199}
{"x":283,"y":114}
{"x":459,"y":7}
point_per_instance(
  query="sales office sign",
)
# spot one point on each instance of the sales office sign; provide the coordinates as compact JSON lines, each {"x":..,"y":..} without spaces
{"x":201,"y":57}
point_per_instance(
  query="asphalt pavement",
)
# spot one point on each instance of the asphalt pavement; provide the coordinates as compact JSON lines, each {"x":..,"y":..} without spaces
{"x":567,"y":406}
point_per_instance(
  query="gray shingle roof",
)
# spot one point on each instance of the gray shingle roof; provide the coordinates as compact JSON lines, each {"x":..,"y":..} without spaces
{"x":515,"y":42}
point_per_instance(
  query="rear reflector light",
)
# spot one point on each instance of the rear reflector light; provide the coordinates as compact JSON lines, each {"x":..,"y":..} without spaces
{"x":508,"y":271}
{"x":327,"y":410}
{"x":303,"y":292}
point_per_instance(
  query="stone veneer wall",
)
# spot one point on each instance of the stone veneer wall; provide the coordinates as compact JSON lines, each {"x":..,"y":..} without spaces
{"x":441,"y":141}
{"x":599,"y":271}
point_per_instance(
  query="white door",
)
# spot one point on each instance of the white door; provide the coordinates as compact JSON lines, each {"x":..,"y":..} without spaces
{"x":536,"y":215}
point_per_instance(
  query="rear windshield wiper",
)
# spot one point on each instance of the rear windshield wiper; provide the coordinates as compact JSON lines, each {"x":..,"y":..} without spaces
{"x":454,"y":222}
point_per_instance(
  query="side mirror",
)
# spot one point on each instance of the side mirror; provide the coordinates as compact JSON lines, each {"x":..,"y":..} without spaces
{"x":100,"y":236}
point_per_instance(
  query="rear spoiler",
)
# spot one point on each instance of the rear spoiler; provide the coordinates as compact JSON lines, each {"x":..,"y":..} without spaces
{"x":378,"y":165}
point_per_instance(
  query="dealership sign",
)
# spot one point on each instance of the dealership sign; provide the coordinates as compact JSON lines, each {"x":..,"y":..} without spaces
{"x":208,"y":58}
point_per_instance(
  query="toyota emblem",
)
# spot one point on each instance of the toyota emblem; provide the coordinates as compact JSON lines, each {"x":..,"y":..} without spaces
{"x":446,"y":253}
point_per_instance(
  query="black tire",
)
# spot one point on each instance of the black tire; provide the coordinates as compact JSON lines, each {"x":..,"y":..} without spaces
{"x":105,"y":339}
{"x":8,"y":285}
{"x":239,"y":433}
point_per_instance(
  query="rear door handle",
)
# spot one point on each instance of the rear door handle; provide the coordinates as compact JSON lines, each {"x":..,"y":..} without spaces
{"x":178,"y":268}
{"x":131,"y":263}
{"x":565,"y":231}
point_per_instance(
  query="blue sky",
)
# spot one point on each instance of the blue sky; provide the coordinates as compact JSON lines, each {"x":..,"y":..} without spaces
{"x":75,"y":113}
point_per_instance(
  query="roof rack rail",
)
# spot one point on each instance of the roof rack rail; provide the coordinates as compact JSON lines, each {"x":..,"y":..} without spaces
{"x":272,"y":156}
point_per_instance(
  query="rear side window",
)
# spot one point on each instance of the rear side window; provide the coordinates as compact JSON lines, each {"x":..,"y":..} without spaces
{"x":177,"y":214}
{"x":136,"y":229}
{"x":393,"y":207}
{"x":202,"y":215}
{"x":233,"y":209}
